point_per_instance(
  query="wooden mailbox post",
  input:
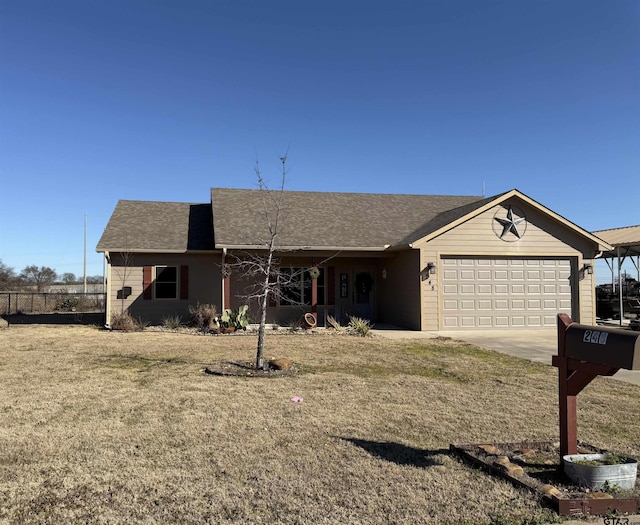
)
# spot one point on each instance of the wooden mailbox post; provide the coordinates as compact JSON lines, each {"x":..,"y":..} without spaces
{"x":585,"y":352}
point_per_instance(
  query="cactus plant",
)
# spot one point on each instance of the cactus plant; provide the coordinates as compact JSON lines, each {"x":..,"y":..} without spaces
{"x":234,"y":319}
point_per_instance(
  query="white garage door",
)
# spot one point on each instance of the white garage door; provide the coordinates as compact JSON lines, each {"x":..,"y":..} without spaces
{"x":504,"y":293}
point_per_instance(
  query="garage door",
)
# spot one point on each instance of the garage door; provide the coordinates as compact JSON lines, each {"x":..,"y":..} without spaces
{"x":504,"y":293}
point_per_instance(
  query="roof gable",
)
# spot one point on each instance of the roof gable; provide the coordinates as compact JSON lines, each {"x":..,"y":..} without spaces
{"x":454,"y":217}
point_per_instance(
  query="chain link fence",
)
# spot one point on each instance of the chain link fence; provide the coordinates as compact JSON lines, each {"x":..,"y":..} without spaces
{"x":50,"y":302}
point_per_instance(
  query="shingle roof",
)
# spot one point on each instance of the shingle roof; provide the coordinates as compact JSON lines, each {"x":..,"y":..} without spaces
{"x":332,"y":220}
{"x":161,"y":226}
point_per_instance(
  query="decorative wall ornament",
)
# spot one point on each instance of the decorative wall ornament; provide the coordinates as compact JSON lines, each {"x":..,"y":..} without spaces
{"x":509,"y":225}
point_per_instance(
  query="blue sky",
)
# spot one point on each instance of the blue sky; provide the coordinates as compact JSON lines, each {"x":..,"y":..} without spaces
{"x":161,"y":100}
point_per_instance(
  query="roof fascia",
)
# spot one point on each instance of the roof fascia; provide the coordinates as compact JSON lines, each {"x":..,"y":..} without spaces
{"x":304,"y":248}
{"x":149,"y":250}
{"x":500,"y":199}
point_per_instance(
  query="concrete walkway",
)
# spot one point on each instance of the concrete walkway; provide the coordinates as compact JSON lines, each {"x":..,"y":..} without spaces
{"x":535,"y":345}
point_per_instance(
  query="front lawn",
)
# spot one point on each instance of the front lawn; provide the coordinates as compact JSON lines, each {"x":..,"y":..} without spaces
{"x":102,"y":427}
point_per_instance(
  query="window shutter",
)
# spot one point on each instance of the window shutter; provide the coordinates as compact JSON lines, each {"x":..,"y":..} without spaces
{"x":184,"y":282}
{"x":331,"y":285}
{"x":147,"y":281}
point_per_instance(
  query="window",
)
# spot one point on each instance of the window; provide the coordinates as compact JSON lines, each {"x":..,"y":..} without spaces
{"x":296,"y":285}
{"x":166,"y":282}
{"x":161,"y":282}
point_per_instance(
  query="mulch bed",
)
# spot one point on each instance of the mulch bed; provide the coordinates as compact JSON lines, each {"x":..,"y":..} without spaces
{"x":248,"y":369}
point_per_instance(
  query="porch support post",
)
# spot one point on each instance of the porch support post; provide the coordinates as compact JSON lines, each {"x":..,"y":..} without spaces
{"x":226,"y":282}
{"x":314,"y":295}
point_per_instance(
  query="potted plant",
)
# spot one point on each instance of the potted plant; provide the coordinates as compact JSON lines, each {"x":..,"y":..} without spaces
{"x":596,"y":470}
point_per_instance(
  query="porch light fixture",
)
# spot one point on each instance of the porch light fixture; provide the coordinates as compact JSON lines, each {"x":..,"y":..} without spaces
{"x":431,"y":268}
{"x":587,"y":269}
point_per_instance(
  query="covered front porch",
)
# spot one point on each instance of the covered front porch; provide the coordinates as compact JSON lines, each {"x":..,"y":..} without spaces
{"x":378,"y":286}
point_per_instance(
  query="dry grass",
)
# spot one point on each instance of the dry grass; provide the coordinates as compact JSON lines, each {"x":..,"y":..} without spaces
{"x":100,"y":427}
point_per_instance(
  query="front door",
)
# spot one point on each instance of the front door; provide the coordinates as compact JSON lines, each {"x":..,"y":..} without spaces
{"x":364,"y":293}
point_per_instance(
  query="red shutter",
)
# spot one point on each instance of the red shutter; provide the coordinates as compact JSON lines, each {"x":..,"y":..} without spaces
{"x":184,"y":282}
{"x":147,"y":281}
{"x":331,"y":285}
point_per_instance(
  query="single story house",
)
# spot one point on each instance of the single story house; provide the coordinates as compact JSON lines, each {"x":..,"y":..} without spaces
{"x":423,"y":262}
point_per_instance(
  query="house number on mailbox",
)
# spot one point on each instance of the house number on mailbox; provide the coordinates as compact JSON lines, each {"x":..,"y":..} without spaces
{"x":595,"y":337}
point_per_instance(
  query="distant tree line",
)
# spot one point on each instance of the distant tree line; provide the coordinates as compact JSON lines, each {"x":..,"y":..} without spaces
{"x":38,"y":277}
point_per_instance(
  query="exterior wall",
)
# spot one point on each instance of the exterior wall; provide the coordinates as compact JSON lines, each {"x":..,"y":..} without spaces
{"x":399,"y":292}
{"x":543,"y":237}
{"x":341,"y":308}
{"x":204,"y":285}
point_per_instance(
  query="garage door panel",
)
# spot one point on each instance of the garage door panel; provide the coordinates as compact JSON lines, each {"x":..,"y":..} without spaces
{"x":501,"y":304}
{"x":517,"y":293}
{"x":450,"y":274}
{"x":534,"y":321}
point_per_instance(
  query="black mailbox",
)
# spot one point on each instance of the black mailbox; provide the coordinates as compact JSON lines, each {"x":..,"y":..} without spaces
{"x":603,"y":346}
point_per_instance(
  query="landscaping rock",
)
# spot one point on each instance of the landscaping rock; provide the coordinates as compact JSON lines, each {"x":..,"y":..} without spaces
{"x":599,"y":495}
{"x":502,"y":461}
{"x":513,"y":470}
{"x":3,"y":323}
{"x":550,"y":490}
{"x":282,"y":363}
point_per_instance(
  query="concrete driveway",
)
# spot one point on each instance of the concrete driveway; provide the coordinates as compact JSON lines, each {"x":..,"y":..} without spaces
{"x":536,"y":345}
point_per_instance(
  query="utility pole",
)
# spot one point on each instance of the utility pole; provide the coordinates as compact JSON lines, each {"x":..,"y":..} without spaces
{"x":84,"y":279}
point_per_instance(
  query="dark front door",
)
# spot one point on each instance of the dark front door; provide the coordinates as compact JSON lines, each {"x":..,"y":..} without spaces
{"x":363,"y":294}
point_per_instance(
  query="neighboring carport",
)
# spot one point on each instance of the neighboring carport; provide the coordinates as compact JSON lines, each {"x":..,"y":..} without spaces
{"x":626,"y":245}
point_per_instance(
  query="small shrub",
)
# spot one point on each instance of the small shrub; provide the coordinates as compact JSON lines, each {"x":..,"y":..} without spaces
{"x":203,"y":316}
{"x":358,"y":326}
{"x":69,"y":304}
{"x":335,"y":324}
{"x":141,"y":324}
{"x":123,"y":322}
{"x":172,"y":322}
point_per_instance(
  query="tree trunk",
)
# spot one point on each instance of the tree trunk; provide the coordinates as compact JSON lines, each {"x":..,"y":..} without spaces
{"x":264,"y":302}
{"x":261,"y":332}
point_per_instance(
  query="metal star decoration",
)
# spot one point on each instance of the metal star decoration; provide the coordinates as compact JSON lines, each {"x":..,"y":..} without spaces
{"x":510,"y":224}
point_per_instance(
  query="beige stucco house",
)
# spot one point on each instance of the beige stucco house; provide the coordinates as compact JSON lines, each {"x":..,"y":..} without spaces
{"x":424,"y":262}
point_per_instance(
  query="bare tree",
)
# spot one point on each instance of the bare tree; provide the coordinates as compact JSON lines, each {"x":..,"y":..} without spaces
{"x":69,"y":278}
{"x":126,"y":258}
{"x":40,"y":276}
{"x":7,"y":277}
{"x":262,"y":268}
